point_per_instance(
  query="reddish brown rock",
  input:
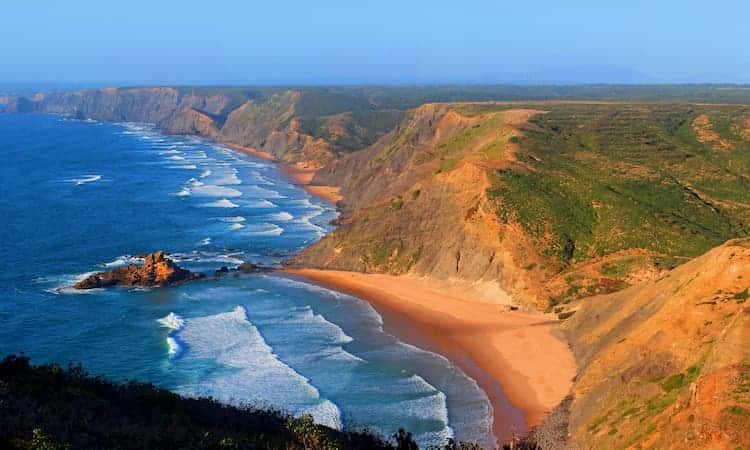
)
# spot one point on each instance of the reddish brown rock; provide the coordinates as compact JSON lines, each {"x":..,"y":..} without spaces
{"x":156,"y":270}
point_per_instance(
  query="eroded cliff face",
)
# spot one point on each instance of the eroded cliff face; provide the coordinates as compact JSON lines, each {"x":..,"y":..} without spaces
{"x":272,"y":126}
{"x":666,"y":364}
{"x":416,"y":201}
{"x":555,"y":202}
{"x":192,"y":122}
{"x":264,"y":124}
{"x":114,"y":105}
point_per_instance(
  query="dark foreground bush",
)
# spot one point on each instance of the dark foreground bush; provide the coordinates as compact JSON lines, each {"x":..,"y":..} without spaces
{"x":48,"y":407}
{"x":51,"y":408}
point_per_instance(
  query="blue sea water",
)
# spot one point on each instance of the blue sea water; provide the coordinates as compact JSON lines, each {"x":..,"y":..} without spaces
{"x":78,"y":197}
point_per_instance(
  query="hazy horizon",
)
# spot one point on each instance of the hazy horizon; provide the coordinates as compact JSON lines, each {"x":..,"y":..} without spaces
{"x":477,"y":42}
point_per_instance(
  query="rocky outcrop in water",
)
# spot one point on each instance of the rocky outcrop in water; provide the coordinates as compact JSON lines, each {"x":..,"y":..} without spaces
{"x":157,"y":270}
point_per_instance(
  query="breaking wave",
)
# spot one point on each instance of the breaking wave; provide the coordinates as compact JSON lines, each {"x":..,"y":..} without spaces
{"x":258,"y":376}
{"x":223,"y":203}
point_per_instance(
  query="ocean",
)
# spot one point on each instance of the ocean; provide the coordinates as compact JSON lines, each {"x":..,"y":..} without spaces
{"x":80,"y":196}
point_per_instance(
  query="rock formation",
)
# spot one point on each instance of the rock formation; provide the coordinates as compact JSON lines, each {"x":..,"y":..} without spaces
{"x":156,"y":270}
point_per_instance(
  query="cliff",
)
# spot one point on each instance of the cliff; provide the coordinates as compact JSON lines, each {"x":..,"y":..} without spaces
{"x":416,"y":201}
{"x":666,"y":364}
{"x":596,"y":211}
{"x":556,"y":201}
{"x":292,"y":125}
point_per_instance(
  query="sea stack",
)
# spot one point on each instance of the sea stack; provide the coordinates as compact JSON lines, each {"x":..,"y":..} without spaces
{"x":156,"y":271}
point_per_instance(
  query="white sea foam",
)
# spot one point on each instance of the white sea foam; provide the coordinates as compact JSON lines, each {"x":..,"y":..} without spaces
{"x":260,"y":179}
{"x":205,"y":241}
{"x":260,"y":377}
{"x":260,"y":204}
{"x":367,"y":310}
{"x":230,"y":177}
{"x":474,"y":413}
{"x":265,"y":229}
{"x":85,"y":179}
{"x":208,"y":257}
{"x":184,"y":192}
{"x":195,"y":183}
{"x":172,"y":321}
{"x":173,"y":347}
{"x":184,"y":166}
{"x":171,"y":151}
{"x":123,"y":261}
{"x":259,"y":192}
{"x":176,"y":158}
{"x":223,"y":203}
{"x":306,"y":220}
{"x":211,"y":190}
{"x":206,"y":173}
{"x":233,"y":219}
{"x":282,"y":216}
{"x":236,"y":226}
{"x":66,"y":283}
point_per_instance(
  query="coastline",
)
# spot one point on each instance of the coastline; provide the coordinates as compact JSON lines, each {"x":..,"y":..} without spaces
{"x":508,"y":353}
{"x":471,"y":324}
{"x":302,"y":173}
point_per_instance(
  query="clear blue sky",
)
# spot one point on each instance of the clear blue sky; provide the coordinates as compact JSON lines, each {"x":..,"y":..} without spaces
{"x":384,"y":41}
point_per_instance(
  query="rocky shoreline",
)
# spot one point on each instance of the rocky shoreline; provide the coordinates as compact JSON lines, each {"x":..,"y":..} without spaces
{"x":157,"y":270}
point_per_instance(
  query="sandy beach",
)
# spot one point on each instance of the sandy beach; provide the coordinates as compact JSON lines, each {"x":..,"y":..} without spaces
{"x":471,"y":324}
{"x":301,"y":173}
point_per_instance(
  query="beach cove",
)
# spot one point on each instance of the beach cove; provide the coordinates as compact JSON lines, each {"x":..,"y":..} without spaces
{"x":271,"y":340}
{"x":473,"y":326}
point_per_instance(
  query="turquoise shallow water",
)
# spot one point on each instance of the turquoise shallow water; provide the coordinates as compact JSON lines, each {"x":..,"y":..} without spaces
{"x":77,"y":197}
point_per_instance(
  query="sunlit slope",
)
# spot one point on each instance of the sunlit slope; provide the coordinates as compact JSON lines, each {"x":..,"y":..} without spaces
{"x":666,"y":364}
{"x":558,"y":201}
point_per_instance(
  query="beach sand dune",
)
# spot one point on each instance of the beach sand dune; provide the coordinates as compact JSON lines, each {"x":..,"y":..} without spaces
{"x":471,"y":324}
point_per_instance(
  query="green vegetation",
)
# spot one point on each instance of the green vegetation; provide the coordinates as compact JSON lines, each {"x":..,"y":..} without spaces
{"x":596,"y":179}
{"x":596,"y":423}
{"x":391,"y":256}
{"x":451,"y":149}
{"x":352,"y":130}
{"x":618,"y":268}
{"x":51,"y":408}
{"x":681,"y":380}
{"x":737,"y":410}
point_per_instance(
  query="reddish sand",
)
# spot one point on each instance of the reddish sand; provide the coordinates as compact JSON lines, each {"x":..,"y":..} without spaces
{"x":303,"y":173}
{"x":470,"y":323}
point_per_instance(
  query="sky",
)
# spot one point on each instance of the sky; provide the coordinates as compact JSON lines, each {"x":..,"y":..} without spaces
{"x":313,"y":42}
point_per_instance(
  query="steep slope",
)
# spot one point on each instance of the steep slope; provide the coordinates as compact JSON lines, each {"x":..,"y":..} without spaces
{"x":272,"y":126}
{"x":309,"y":125}
{"x":555,"y":201}
{"x":416,"y":201}
{"x":666,"y":364}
